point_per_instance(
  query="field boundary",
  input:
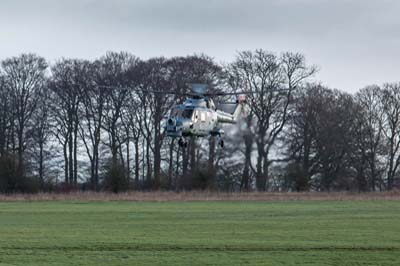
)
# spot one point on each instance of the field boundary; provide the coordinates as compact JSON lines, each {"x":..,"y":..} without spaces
{"x":192,"y":196}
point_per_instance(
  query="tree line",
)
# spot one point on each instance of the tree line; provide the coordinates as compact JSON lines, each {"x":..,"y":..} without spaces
{"x":96,"y":124}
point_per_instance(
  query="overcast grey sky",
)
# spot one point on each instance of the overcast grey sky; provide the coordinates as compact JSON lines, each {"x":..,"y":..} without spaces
{"x":355,"y":43}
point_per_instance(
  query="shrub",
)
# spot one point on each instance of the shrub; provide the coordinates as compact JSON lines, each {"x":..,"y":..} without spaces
{"x":115,"y":179}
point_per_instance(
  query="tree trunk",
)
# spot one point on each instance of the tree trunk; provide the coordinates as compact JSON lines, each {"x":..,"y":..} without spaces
{"x":192,"y":148}
{"x":185,"y":167}
{"x":41,"y":159}
{"x":193,"y":166}
{"x":20,"y":152}
{"x":143,"y":163}
{"x":259,"y":174}
{"x":137,"y":166}
{"x":128,"y":165}
{"x":391,"y":166}
{"x":70,"y":159}
{"x":148,"y":163}
{"x":76,"y":153}
{"x":157,"y":162}
{"x":178,"y":182}
{"x":373,"y":173}
{"x":265,"y":172}
{"x":211,"y":160}
{"x":245,"y":184}
{"x":66,"y":164}
{"x":96,"y":165}
{"x":171,"y":162}
{"x":114,"y":150}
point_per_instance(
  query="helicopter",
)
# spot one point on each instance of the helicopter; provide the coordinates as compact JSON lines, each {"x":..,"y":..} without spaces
{"x":199,"y":116}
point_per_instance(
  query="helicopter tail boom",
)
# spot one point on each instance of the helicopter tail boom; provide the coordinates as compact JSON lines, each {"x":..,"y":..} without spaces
{"x":231,"y":118}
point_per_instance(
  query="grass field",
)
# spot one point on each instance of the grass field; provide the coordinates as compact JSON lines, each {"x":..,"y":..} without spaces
{"x":200,"y":233}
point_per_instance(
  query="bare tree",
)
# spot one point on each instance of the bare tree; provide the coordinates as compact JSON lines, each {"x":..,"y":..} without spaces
{"x":335,"y":130}
{"x":370,"y":137}
{"x":41,"y":133}
{"x":271,"y":80}
{"x":94,"y":98}
{"x":322,"y":140}
{"x":391,"y":128}
{"x":24,"y":77}
{"x":132,"y":122}
{"x":154,"y":73}
{"x":301,"y":135}
{"x":114,"y":73}
{"x":69,"y":79}
{"x":5,"y":115}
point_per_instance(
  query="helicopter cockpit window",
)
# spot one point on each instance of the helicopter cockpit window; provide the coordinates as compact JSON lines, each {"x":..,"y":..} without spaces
{"x":175,"y":112}
{"x":187,"y":113}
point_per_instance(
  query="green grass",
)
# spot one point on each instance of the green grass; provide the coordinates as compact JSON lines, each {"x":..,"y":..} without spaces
{"x":200,"y":233}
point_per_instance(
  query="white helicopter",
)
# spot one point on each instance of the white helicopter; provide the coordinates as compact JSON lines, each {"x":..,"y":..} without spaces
{"x":198,"y":116}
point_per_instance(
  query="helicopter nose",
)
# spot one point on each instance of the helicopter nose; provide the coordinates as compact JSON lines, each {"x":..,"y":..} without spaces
{"x":174,"y":127}
{"x":171,"y":124}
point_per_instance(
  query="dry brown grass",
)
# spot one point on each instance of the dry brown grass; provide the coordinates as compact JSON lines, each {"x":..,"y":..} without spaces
{"x":160,"y":196}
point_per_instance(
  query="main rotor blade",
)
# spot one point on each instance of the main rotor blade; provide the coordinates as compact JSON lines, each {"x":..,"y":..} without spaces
{"x":143,"y":90}
{"x":242,"y":92}
{"x":227,"y":103}
{"x":190,"y":94}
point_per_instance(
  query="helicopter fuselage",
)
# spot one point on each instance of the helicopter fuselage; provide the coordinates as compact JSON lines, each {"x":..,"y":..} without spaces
{"x":196,"y":117}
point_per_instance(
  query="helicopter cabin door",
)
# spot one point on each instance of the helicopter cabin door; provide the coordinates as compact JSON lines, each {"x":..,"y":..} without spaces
{"x":196,"y":120}
{"x":203,"y":122}
{"x":200,"y":122}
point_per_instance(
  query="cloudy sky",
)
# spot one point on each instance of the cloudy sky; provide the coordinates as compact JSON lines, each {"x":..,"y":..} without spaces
{"x":355,"y":43}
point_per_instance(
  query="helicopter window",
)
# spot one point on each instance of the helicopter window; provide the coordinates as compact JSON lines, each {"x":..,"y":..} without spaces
{"x":202,"y":116}
{"x":187,"y":113}
{"x":175,"y":112}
